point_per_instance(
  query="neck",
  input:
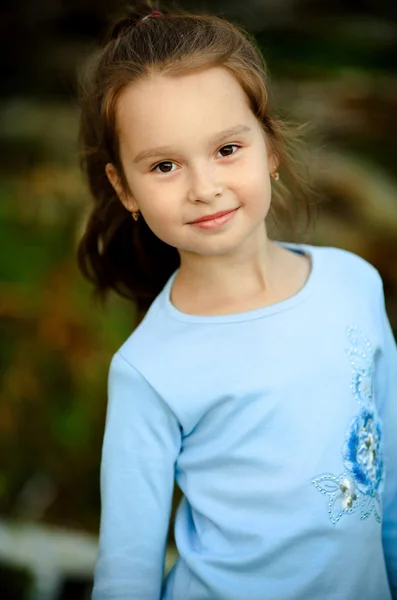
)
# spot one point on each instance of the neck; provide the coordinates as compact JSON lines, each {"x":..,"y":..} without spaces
{"x":228,"y":277}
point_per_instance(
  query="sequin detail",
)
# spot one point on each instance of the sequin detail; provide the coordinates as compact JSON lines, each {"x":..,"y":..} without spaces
{"x":360,"y":485}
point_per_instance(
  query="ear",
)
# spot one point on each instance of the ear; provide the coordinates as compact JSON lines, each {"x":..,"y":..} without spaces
{"x":126,"y":198}
{"x":272,"y":161}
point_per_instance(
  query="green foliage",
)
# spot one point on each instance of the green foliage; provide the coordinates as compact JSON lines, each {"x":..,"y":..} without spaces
{"x":55,"y":350}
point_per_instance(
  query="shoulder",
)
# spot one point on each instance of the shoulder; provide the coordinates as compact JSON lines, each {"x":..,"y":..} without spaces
{"x":124,"y":379}
{"x":348,"y":266}
{"x":138,"y":370}
{"x":135,"y":407}
{"x":144,"y":335}
{"x":152,"y":344}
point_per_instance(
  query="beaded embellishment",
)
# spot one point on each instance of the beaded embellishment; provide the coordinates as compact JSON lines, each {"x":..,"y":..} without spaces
{"x":359,"y":486}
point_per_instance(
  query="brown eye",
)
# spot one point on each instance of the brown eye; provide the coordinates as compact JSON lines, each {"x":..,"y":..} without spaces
{"x":228,"y":150}
{"x":164,"y":167}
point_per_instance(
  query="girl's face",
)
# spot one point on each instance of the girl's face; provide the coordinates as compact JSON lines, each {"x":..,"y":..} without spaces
{"x":191,"y":147}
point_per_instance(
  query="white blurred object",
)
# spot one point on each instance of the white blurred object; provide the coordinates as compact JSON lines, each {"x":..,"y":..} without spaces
{"x":53,"y":555}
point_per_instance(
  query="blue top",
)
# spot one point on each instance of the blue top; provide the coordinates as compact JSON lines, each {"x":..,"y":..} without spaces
{"x":279,"y":425}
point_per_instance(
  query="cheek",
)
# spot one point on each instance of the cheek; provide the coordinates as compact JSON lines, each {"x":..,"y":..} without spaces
{"x":254,"y":182}
{"x":159,"y":214}
{"x":155,"y":213}
{"x":254,"y":166}
{"x":155,"y":205}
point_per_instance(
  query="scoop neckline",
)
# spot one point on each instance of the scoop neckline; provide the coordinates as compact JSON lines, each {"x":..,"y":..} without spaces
{"x":256,"y":313}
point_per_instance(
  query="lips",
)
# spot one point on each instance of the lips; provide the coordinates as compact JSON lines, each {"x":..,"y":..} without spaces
{"x":213,"y":216}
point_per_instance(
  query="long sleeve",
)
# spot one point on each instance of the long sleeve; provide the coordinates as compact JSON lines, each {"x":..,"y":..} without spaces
{"x":141,"y":443}
{"x":387,"y":394}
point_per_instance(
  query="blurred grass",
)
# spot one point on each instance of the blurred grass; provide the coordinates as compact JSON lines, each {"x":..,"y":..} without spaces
{"x":56,"y":344}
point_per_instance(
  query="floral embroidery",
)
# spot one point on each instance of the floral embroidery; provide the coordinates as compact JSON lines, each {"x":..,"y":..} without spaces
{"x":360,"y":356}
{"x":361,"y":453}
{"x":342,"y":494}
{"x":360,"y":484}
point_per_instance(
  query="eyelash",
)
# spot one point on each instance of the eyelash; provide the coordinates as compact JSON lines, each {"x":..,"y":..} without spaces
{"x":171,"y":162}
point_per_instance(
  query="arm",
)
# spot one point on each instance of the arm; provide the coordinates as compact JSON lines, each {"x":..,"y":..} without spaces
{"x":141,"y":443}
{"x":387,"y":396}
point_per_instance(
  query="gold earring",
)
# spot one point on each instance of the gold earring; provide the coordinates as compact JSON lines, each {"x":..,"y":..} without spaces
{"x":135,"y":215}
{"x":276,"y":175}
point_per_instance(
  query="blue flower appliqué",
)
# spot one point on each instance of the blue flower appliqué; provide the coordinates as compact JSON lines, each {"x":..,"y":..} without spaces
{"x":362,"y":452}
{"x":360,"y":484}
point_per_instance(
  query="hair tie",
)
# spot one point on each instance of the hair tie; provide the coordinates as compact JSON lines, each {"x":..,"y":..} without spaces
{"x":152,"y":15}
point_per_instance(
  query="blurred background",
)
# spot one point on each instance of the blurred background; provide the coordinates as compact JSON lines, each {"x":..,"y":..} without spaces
{"x":333,"y":64}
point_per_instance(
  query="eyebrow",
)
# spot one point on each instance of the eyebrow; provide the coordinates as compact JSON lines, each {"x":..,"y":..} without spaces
{"x":217,"y":139}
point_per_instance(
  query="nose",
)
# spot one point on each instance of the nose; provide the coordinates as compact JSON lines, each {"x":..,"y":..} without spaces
{"x":203,"y":184}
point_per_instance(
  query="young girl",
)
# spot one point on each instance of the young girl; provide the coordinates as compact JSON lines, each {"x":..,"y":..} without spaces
{"x":263,"y":378}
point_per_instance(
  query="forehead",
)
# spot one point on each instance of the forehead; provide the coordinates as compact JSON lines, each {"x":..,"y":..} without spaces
{"x":167,"y":109}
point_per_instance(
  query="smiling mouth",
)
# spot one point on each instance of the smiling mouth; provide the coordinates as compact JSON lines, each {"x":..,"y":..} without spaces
{"x":215,"y":221}
{"x":213,"y":217}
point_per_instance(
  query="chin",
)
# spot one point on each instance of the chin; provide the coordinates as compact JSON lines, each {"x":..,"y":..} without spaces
{"x":216,"y":248}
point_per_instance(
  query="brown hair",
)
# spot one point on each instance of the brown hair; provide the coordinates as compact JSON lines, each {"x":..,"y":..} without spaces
{"x":116,"y":252}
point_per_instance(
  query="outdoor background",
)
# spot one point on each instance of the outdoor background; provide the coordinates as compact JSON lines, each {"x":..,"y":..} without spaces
{"x":333,"y":64}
